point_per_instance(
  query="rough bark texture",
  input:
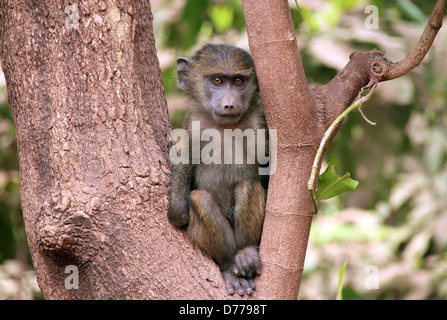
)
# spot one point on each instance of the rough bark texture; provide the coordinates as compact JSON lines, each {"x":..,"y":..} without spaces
{"x":92,"y":127}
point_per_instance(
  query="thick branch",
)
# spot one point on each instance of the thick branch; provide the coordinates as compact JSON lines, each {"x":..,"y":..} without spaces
{"x":271,"y":35}
{"x":289,"y":109}
{"x":334,"y":97}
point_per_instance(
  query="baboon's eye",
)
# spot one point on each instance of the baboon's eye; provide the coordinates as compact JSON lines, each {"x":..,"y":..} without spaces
{"x":238,"y":81}
{"x":217,"y":80}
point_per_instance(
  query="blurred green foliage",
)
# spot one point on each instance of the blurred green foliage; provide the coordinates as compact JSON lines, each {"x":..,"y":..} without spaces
{"x":203,"y":17}
{"x":11,"y":226}
{"x":397,"y":217}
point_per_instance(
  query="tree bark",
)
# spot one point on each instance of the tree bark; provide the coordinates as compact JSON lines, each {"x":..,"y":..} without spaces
{"x":92,"y":130}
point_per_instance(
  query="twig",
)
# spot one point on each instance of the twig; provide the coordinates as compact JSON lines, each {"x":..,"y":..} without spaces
{"x":365,"y":118}
{"x":329,"y":132}
{"x":414,"y":58}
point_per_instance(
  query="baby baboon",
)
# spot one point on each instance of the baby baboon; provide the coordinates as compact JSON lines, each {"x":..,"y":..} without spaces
{"x":222,"y":205}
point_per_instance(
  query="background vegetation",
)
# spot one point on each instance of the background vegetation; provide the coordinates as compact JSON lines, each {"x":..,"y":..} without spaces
{"x":393,"y":228}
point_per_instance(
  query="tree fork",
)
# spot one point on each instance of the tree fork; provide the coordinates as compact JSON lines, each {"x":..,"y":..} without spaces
{"x":92,"y":123}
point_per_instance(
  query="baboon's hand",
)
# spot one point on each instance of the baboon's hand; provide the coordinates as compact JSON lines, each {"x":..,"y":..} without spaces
{"x":247,"y":263}
{"x":178,"y":213}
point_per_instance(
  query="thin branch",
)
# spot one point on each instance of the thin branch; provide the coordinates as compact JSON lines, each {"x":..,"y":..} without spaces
{"x":372,"y":83}
{"x":328,"y":135}
{"x":415,"y":57}
{"x":365,"y":117}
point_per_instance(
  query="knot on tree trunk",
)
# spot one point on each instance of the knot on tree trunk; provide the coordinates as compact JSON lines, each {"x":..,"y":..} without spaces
{"x":379,"y":65}
{"x":64,"y":230}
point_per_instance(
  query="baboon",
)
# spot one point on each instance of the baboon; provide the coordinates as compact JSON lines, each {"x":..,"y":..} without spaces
{"x":221,"y":205}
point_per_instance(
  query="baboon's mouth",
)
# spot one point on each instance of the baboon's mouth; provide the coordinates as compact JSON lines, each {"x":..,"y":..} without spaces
{"x":227,"y":119}
{"x":231,"y":115}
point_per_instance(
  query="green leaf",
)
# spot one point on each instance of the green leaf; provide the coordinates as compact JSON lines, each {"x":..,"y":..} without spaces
{"x":331,"y":185}
{"x":341,"y":274}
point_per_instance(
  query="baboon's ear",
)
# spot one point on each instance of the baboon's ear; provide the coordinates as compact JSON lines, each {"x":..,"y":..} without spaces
{"x":183,"y":65}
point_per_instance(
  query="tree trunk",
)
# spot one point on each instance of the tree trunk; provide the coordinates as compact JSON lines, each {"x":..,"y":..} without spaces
{"x":85,"y":89}
{"x":288,"y":109}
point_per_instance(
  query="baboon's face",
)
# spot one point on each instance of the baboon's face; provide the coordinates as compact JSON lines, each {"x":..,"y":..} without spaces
{"x":222,"y":79}
{"x":228,"y":96}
